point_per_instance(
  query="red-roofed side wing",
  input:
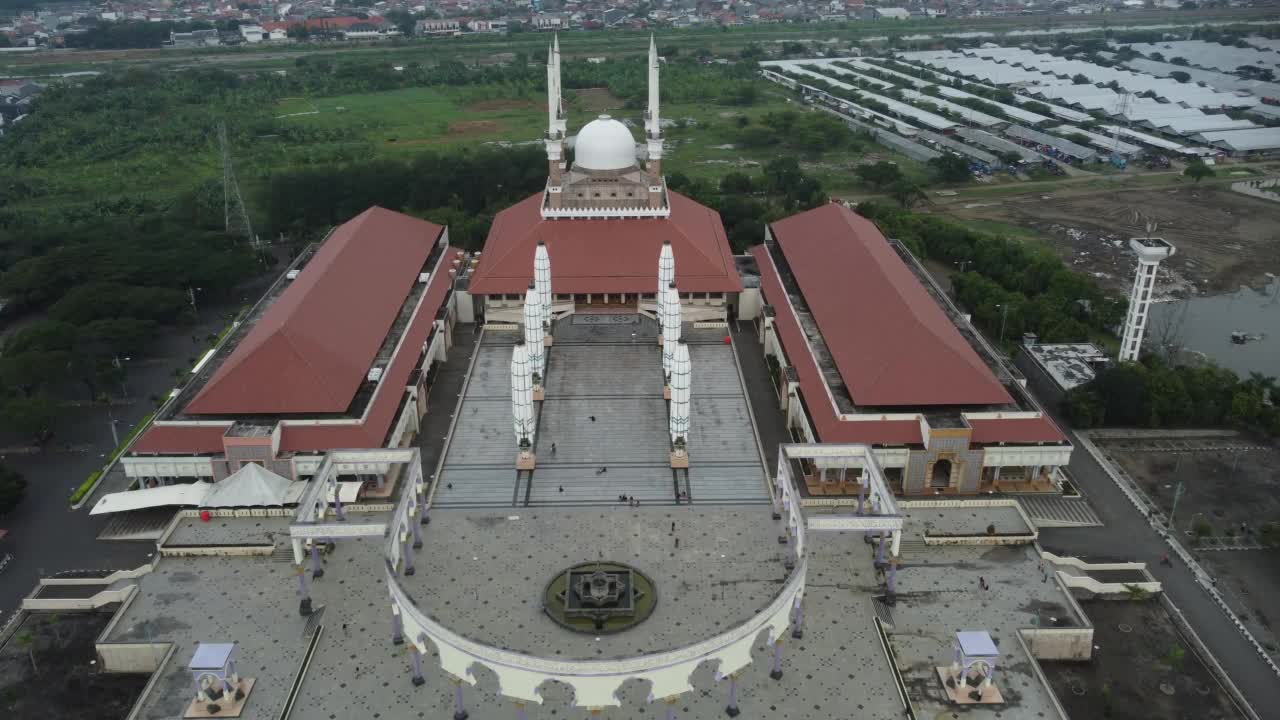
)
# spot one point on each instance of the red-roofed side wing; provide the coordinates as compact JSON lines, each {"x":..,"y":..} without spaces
{"x":822,"y":412}
{"x":311,"y":350}
{"x":891,"y":342}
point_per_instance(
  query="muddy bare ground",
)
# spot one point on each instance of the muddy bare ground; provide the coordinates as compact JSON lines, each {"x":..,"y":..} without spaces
{"x":1224,"y":239}
{"x":1141,"y":669}
{"x":64,"y":684}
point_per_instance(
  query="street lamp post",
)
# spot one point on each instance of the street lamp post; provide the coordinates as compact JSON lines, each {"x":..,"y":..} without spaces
{"x":111,"y":417}
{"x":1004,"y":316}
{"x":118,"y":362}
{"x":191,"y":293}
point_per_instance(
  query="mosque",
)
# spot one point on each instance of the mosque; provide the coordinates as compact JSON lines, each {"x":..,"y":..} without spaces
{"x":862,"y":344}
{"x":593,"y":465}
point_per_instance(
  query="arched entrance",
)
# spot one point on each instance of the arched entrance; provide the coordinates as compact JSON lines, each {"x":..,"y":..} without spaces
{"x":941,"y":477}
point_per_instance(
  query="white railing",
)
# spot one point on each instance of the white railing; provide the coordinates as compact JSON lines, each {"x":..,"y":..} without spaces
{"x":596,"y":682}
{"x":607,"y":213}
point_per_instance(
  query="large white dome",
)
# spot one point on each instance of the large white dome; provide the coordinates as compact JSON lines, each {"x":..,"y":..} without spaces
{"x":604,"y":144}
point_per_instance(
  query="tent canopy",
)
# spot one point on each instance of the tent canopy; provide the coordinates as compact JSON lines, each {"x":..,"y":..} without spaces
{"x":190,"y":494}
{"x":250,"y":486}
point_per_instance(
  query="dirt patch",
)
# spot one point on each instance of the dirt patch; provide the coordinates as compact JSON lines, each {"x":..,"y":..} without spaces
{"x":1230,"y":490}
{"x":1142,"y":669}
{"x":501,"y":104}
{"x":63,"y":683}
{"x":467,"y":128}
{"x":1224,"y":239}
{"x":597,"y":99}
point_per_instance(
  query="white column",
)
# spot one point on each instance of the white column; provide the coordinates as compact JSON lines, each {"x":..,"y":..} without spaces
{"x":542,"y":282}
{"x":522,"y":394}
{"x":666,"y":276}
{"x":897,"y":540}
{"x":681,"y":379}
{"x":533,"y":333}
{"x":671,"y":318}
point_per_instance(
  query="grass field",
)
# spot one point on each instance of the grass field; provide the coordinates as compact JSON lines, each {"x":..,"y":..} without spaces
{"x":302,"y":130}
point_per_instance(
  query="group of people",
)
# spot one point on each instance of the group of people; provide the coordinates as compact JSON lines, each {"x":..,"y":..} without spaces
{"x":630,"y":500}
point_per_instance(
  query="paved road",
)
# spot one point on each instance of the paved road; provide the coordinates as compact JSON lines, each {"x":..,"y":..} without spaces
{"x":45,"y":536}
{"x":1127,"y":536}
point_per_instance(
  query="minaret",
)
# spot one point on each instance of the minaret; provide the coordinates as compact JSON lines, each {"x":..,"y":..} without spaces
{"x":1150,"y":252}
{"x":555,"y":125}
{"x":681,"y":379}
{"x":653,"y":131}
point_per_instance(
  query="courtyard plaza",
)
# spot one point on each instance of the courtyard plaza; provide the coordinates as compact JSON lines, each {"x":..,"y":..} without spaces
{"x":605,"y":414}
{"x":482,"y":573}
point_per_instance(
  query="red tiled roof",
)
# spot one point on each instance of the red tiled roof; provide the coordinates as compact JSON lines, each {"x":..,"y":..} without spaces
{"x":607,"y":256}
{"x":1015,"y":430}
{"x":823,"y":414}
{"x":891,"y":342}
{"x":382,"y":408}
{"x":187,"y":438}
{"x":327,"y":23}
{"x":312,"y":349}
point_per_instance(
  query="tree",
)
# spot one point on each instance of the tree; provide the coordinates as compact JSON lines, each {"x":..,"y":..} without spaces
{"x":1179,"y":61}
{"x":905,"y":192}
{"x":1198,"y":171}
{"x":736,"y":183}
{"x":1180,"y":76}
{"x":12,"y":489}
{"x":31,"y":416}
{"x":1037,"y":107}
{"x":1080,"y":79}
{"x":879,"y":175}
{"x":951,"y":168}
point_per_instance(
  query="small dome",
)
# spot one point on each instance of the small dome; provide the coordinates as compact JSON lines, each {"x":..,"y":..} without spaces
{"x":604,"y":144}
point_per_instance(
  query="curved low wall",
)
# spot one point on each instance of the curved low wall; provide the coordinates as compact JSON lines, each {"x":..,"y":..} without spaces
{"x":595,"y":682}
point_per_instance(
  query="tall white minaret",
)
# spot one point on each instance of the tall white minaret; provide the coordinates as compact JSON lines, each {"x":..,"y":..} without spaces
{"x":555,"y":125}
{"x":653,"y":130}
{"x":561,"y":119}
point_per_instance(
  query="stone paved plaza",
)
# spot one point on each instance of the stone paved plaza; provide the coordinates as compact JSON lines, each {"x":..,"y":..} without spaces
{"x":838,"y":668}
{"x":606,"y":417}
{"x":486,"y":571}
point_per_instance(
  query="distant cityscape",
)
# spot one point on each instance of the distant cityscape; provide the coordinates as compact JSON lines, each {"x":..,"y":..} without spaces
{"x":200,"y":23}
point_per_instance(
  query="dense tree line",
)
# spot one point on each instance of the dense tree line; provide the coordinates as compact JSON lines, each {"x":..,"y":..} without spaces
{"x":1006,"y":284}
{"x":462,"y":189}
{"x":747,"y":203}
{"x":1153,"y":393}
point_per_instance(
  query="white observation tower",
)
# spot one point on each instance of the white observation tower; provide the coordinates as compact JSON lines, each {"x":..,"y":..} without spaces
{"x":1150,"y":252}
